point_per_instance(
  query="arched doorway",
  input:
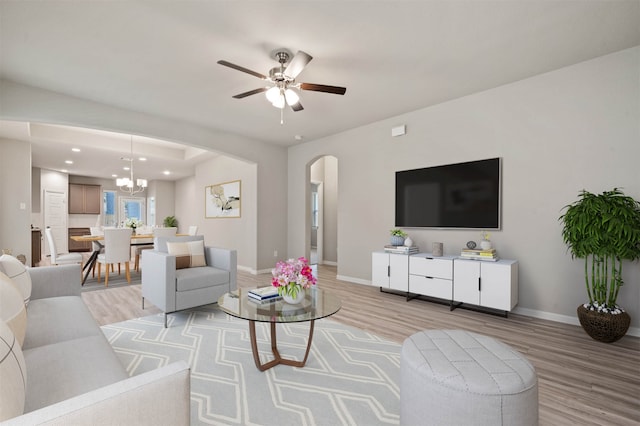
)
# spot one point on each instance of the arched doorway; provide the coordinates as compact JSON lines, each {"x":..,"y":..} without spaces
{"x":322,"y":223}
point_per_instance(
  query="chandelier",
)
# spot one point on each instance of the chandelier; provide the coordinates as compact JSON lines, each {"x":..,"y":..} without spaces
{"x":126,"y":184}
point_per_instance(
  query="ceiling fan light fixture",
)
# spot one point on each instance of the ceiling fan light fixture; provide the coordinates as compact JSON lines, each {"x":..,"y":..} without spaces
{"x":273,"y":94}
{"x":291,"y":96}
{"x":279,"y":102}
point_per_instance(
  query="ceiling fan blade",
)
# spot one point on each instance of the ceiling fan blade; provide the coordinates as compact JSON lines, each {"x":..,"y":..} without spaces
{"x":251,"y":92}
{"x":297,"y":107}
{"x":297,"y":64}
{"x":323,"y":88}
{"x":243,"y":69}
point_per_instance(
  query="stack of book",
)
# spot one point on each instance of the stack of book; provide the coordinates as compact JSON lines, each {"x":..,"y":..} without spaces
{"x":401,"y":249}
{"x":479,"y":254}
{"x":264,"y":294}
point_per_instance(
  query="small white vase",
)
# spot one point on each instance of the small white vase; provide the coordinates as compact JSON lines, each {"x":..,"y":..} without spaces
{"x":408,"y":242}
{"x":298,"y":299}
{"x":485,"y":245}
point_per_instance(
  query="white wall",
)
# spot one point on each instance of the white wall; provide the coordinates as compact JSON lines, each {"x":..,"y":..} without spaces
{"x":15,"y":187}
{"x":557,"y":133}
{"x":186,"y":203}
{"x":233,"y":233}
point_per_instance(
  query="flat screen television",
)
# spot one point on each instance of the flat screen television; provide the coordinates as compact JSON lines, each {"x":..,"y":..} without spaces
{"x":453,"y":196}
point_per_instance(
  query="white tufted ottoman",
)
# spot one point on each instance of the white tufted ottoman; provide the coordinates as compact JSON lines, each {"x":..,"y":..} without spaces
{"x":454,"y":377}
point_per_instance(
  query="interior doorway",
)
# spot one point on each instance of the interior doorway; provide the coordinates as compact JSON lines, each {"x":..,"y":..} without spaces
{"x":316,"y":237}
{"x":322,"y":223}
{"x":55,"y":217}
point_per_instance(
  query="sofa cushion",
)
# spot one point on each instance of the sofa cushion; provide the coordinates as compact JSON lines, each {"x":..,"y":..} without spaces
{"x":62,"y":370}
{"x":195,"y":278}
{"x":58,"y":319}
{"x":16,"y":270}
{"x":13,"y":371}
{"x":189,"y":254}
{"x":12,"y":310}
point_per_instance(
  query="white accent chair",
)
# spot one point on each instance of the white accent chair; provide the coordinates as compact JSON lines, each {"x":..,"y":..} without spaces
{"x":117,"y":249}
{"x":193,"y":229}
{"x":141,"y":244}
{"x":165,"y":232}
{"x":60,"y":258}
{"x":172,"y":289}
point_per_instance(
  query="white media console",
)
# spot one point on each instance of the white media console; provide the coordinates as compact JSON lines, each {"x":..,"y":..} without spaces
{"x":459,"y":282}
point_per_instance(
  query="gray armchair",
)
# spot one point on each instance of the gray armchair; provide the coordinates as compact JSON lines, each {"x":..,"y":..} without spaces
{"x":172,"y":289}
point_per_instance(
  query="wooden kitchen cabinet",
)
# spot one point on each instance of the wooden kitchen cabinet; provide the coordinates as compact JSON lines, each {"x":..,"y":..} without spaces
{"x":79,"y":246}
{"x":84,"y":199}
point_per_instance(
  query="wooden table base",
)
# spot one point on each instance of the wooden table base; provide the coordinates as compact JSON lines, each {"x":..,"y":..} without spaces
{"x":274,"y":348}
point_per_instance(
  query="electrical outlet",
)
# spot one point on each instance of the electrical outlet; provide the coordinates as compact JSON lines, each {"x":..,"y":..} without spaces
{"x":275,"y":253}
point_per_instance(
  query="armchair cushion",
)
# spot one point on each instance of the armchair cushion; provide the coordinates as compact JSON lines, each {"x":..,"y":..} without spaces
{"x":189,"y":254}
{"x":195,"y":278}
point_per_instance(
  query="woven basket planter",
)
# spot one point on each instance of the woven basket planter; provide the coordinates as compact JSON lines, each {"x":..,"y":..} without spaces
{"x":603,"y":327}
{"x":397,"y":240}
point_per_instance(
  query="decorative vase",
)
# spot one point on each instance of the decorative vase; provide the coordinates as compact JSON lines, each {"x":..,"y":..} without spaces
{"x":294,"y":301}
{"x":603,"y":327}
{"x":485,"y":245}
{"x":408,"y":242}
{"x":397,"y":240}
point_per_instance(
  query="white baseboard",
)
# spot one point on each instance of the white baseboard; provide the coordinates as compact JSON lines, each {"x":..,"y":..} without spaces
{"x":353,"y":280}
{"x":329,"y":262}
{"x":566,"y":319}
{"x":253,"y":271}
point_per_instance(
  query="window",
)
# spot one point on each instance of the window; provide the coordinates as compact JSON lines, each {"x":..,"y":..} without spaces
{"x":109,"y":208}
{"x":132,"y":207}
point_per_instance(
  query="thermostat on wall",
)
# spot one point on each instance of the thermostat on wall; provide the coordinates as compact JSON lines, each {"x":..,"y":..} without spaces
{"x":398,"y":130}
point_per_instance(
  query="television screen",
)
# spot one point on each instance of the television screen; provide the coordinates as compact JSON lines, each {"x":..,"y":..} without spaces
{"x":462,"y":195}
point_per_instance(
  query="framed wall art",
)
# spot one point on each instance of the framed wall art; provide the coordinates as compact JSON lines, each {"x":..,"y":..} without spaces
{"x":222,"y":200}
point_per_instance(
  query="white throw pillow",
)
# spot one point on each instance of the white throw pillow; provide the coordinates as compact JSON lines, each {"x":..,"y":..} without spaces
{"x":15,"y":270}
{"x":13,"y":375}
{"x":12,"y":309}
{"x":189,"y":254}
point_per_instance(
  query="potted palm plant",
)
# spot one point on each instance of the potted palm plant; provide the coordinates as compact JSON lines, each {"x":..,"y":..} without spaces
{"x":170,"y":222}
{"x":604,"y":230}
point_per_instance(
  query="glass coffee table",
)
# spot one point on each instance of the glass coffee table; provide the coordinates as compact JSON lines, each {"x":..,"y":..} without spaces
{"x":317,"y":304}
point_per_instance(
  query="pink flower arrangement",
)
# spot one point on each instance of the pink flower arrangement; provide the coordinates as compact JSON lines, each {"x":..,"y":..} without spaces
{"x":292,"y":276}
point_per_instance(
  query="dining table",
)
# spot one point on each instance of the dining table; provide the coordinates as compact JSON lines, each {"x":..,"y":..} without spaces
{"x":136,"y":240}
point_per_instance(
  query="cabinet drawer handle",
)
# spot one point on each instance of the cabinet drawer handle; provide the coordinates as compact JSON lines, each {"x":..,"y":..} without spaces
{"x":429,"y":278}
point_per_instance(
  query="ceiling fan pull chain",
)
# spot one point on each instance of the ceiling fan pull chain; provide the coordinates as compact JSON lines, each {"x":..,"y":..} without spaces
{"x":281,"y":116}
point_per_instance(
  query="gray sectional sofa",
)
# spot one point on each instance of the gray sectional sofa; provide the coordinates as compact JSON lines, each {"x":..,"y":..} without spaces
{"x":73,"y":374}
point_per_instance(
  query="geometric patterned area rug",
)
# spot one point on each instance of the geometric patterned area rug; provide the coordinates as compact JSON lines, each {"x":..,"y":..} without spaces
{"x":351,"y":377}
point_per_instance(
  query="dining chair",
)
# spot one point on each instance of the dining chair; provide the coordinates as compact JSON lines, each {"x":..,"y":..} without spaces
{"x":139,"y":245}
{"x":117,"y":249}
{"x":60,"y":258}
{"x":96,"y":246}
{"x":165,"y":232}
{"x":193,"y":229}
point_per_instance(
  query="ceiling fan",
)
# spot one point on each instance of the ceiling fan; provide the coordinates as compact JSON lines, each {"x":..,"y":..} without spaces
{"x":282,"y":80}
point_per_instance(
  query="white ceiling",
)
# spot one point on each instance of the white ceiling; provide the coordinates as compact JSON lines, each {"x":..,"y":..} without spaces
{"x":393,"y":56}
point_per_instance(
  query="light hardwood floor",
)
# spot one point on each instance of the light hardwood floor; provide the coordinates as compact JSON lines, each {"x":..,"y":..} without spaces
{"x":581,"y":381}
